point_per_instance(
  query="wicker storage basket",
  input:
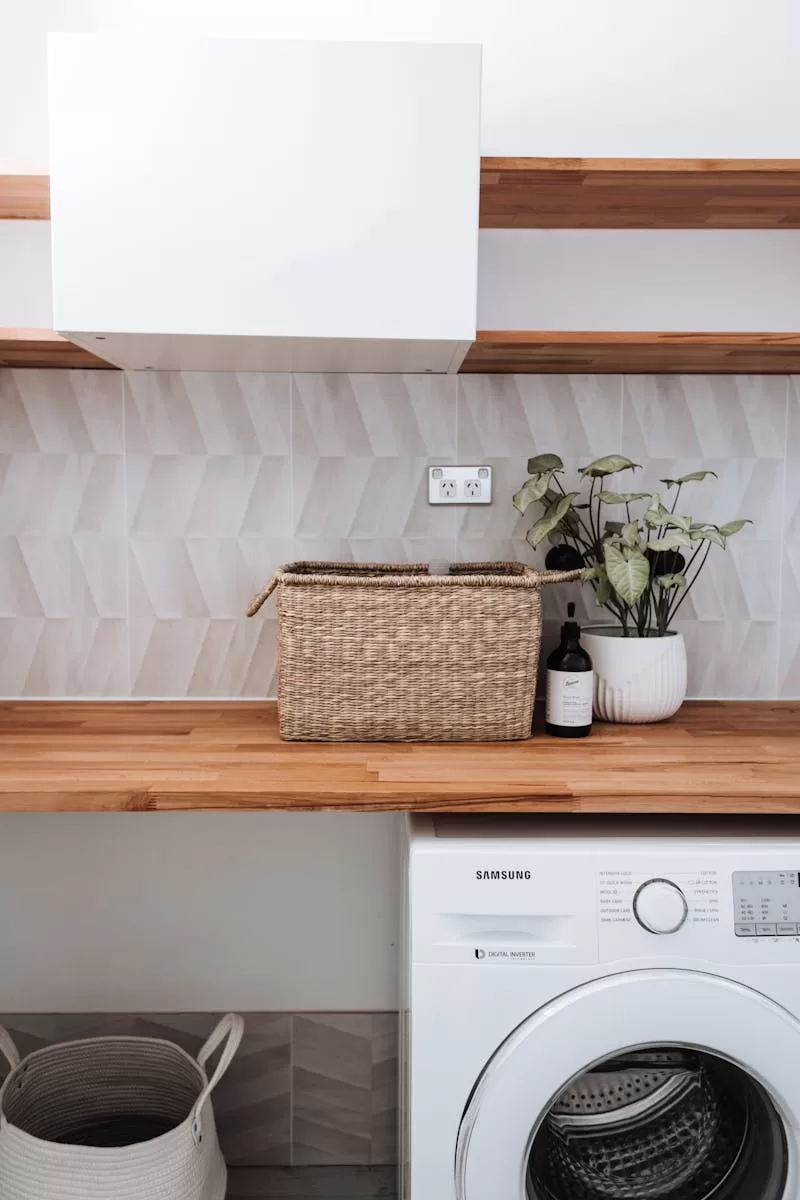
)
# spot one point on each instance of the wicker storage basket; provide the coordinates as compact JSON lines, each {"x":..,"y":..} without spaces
{"x":378,"y":652}
{"x":114,"y":1118}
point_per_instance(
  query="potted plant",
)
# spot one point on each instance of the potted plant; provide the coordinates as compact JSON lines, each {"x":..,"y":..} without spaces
{"x":641,"y":567}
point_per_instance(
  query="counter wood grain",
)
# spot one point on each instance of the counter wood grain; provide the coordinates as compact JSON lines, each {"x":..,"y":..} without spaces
{"x":714,"y":757}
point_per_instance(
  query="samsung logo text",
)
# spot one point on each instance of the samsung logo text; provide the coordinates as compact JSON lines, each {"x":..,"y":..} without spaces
{"x":502,"y":875}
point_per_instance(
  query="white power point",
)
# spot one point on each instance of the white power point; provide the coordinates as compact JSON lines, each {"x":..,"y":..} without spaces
{"x":460,"y":485}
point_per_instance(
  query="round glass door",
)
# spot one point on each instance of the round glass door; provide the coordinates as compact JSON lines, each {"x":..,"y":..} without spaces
{"x":667,"y":1122}
{"x":649,"y":1085}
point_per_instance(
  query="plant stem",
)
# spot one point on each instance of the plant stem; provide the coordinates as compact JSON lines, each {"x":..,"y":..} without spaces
{"x":677,"y":495}
{"x":693,"y":582}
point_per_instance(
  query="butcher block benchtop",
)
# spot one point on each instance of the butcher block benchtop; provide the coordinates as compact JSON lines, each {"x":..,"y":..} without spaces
{"x":713,"y":757}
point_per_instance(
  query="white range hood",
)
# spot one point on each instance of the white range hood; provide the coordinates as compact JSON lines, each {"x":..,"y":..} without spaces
{"x":257,"y":205}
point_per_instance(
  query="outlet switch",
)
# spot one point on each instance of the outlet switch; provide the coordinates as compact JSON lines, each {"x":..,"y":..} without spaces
{"x":460,"y":485}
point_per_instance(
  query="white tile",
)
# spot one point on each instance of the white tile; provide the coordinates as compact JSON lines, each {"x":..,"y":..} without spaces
{"x":215,"y":413}
{"x":60,"y":412}
{"x":517,"y":416}
{"x":713,"y":416}
{"x":380,"y":415}
{"x":57,"y":658}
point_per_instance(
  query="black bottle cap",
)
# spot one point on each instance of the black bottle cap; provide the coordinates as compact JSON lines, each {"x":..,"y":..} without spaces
{"x":570,"y":630}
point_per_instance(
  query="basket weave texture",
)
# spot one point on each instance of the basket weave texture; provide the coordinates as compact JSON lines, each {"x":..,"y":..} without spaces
{"x":117,"y":1118}
{"x":380,"y":652}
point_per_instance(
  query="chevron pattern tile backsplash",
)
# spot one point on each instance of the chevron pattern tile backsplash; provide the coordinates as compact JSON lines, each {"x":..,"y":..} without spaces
{"x":304,"y":1090}
{"x":140,"y":511}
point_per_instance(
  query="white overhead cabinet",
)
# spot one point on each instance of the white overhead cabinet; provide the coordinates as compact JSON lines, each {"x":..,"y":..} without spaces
{"x":258,"y":205}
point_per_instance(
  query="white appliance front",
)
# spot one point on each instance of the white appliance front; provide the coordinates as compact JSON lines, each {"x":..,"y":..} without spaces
{"x":547,"y":959}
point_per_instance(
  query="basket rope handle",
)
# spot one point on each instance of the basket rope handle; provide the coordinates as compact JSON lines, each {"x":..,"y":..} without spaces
{"x":230,"y":1031}
{"x":8,"y":1049}
{"x":263,"y":595}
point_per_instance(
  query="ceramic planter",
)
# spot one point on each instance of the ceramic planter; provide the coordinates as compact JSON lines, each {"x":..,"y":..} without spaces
{"x":637,"y":680}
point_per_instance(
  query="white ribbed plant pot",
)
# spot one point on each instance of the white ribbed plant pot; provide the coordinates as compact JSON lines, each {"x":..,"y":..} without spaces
{"x":636,"y":680}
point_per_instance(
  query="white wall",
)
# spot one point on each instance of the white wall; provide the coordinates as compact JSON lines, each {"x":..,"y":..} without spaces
{"x":26,"y":292}
{"x":182,"y":912}
{"x":688,"y":280}
{"x":675,"y":78}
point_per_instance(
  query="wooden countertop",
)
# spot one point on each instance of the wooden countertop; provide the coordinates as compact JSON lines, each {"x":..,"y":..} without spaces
{"x":713,"y":757}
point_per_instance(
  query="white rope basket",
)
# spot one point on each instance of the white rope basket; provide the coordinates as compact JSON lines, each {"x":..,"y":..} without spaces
{"x":114,"y":1118}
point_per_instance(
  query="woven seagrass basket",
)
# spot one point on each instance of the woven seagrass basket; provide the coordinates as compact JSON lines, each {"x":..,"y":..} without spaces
{"x":380,"y":652}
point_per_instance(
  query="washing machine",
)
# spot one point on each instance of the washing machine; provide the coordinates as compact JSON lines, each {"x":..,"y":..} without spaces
{"x":600,"y":1009}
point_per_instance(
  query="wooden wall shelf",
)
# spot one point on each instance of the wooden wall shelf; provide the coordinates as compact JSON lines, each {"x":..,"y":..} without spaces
{"x":43,"y":348}
{"x":713,"y":757}
{"x":535,"y":352}
{"x":584,"y":193}
{"x":625,"y":193}
{"x":502,"y":352}
{"x":24,"y":197}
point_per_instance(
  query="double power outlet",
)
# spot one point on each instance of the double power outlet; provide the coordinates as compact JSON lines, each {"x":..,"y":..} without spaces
{"x":459,"y":485}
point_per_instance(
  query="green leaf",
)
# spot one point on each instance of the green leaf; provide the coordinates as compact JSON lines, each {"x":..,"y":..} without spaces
{"x":553,"y":517}
{"x":676,"y":521}
{"x":671,"y":581}
{"x":613,"y":528}
{"x":544,"y":462}
{"x":623,"y":497}
{"x":630,"y":534}
{"x":733,"y":527}
{"x":531,"y":491}
{"x":612,"y":464}
{"x":708,"y":535}
{"x":673,"y":541}
{"x":592,"y":574}
{"x":656,"y":514}
{"x":628,"y":571}
{"x":694,"y":476}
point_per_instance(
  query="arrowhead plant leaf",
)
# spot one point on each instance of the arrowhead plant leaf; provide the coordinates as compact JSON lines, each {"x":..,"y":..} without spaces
{"x":671,"y":581}
{"x":544,"y":462}
{"x":708,"y":535}
{"x":628,"y":571}
{"x":623,"y":497}
{"x":612,"y":464}
{"x":552,"y":518}
{"x":691,"y":478}
{"x":673,"y":541}
{"x":733,"y":527}
{"x":533,"y":490}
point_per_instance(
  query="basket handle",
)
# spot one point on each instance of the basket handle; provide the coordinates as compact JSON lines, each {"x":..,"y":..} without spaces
{"x":8,"y":1049}
{"x":542,"y":577}
{"x":263,"y":595}
{"x":230,"y":1031}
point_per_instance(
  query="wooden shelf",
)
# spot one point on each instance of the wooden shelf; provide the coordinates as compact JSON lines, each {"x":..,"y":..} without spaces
{"x":24,"y":197}
{"x":521,"y":352}
{"x":584,"y":193}
{"x":645,"y":193}
{"x":713,"y":757}
{"x":43,"y":348}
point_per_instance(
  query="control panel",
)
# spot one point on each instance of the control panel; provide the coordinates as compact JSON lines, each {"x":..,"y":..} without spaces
{"x":766,"y":903}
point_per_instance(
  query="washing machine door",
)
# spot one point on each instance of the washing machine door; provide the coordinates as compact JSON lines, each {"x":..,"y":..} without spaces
{"x":670,"y":1085}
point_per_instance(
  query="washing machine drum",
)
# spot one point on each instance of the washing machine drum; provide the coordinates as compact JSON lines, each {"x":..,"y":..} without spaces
{"x":666,"y":1124}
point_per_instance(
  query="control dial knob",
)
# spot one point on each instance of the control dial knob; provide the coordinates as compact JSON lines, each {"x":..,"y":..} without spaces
{"x":660,"y":906}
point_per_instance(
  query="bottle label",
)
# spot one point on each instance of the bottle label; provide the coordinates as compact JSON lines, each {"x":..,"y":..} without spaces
{"x":569,"y":698}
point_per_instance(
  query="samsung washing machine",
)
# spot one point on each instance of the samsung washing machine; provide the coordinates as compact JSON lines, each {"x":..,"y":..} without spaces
{"x":601,"y":1010}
